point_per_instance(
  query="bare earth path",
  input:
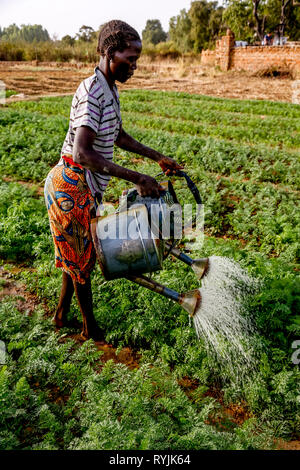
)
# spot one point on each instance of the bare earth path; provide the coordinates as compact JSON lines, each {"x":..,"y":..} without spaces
{"x":60,"y":79}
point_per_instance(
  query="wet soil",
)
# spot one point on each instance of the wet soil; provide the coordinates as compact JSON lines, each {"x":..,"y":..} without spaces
{"x":228,"y":416}
{"x":26,"y":302}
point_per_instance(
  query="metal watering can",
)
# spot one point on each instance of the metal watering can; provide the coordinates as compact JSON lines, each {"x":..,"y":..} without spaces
{"x":132,"y":242}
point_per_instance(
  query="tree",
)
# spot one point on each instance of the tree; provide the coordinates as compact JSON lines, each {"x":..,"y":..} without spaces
{"x":246,"y":18}
{"x":293,"y":22}
{"x":201,"y":14}
{"x":198,"y":28}
{"x":180,"y":30}
{"x":86,"y":34}
{"x":283,"y":16}
{"x":249,"y":19}
{"x":238,"y":17}
{"x":260,"y":15}
{"x":27,"y":33}
{"x":153,"y":32}
{"x":216,"y":24}
{"x":68,"y":40}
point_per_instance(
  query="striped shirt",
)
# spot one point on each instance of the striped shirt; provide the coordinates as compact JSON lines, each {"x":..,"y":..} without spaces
{"x":95,"y":106}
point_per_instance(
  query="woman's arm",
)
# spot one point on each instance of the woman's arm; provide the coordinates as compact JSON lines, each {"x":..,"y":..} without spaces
{"x":126,"y":142}
{"x":86,"y":156}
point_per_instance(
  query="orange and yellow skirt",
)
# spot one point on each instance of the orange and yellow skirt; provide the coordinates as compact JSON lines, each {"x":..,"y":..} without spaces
{"x":70,"y":207}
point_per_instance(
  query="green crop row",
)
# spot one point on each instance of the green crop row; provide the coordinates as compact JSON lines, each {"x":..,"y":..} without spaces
{"x":39,"y":142}
{"x":259,"y":162}
{"x":169,"y":108}
{"x":192,"y":119}
{"x":263,"y":123}
{"x":233,"y":206}
{"x":202,"y":103}
{"x":54,"y":397}
{"x":46,"y":106}
{"x":30,"y":144}
{"x":54,"y":394}
{"x":41,"y":366}
{"x":215,"y":104}
{"x":275,"y":136}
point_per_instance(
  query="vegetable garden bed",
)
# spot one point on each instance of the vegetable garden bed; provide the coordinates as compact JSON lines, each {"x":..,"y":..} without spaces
{"x":56,"y":393}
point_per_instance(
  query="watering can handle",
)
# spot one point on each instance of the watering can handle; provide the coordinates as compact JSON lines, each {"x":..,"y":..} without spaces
{"x":191,"y":185}
{"x":194,"y":190}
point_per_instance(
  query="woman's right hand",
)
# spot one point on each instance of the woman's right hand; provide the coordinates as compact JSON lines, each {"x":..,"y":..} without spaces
{"x":148,"y":186}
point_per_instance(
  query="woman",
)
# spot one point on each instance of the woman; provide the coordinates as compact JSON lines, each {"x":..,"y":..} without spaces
{"x":75,"y":187}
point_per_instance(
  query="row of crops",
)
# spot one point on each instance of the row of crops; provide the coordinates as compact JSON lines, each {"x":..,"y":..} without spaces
{"x":56,"y":394}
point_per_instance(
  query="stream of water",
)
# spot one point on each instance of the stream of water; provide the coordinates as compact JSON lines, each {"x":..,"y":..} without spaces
{"x":219,"y":320}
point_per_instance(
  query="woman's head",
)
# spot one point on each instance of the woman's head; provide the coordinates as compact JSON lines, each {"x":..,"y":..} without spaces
{"x":116,"y":35}
{"x":120,"y":46}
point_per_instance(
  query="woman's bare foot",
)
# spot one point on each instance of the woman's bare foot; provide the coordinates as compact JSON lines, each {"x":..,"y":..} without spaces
{"x":63,"y":308}
{"x":59,"y":322}
{"x":96,"y":334}
{"x":64,"y":323}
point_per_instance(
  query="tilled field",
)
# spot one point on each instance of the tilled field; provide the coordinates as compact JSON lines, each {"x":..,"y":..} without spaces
{"x":58,"y":78}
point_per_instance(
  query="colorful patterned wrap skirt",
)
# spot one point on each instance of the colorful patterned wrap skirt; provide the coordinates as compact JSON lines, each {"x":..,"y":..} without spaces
{"x":70,"y":204}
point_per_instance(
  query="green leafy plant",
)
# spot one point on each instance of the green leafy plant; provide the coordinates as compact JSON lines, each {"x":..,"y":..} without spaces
{"x":55,"y":394}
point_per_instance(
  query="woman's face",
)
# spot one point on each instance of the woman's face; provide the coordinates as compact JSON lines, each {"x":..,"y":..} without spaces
{"x":123,"y":64}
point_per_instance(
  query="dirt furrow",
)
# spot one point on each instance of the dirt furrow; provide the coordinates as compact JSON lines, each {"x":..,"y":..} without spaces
{"x":164,"y":75}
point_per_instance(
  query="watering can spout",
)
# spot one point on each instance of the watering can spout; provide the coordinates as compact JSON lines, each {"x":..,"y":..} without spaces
{"x":191,"y":301}
{"x":200,"y":267}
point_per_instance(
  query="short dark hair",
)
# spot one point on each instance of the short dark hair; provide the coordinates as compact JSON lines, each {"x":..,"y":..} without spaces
{"x":115,"y":36}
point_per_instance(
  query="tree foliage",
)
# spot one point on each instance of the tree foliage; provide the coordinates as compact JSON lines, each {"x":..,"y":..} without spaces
{"x":284,"y":15}
{"x":205,"y":23}
{"x":251,"y":19}
{"x":238,"y":17}
{"x":86,"y":34}
{"x":68,"y":40}
{"x":180,"y":27}
{"x":198,"y":28}
{"x":153,"y":32}
{"x":27,"y":33}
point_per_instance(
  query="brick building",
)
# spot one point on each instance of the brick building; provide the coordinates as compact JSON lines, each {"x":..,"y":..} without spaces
{"x":252,"y":58}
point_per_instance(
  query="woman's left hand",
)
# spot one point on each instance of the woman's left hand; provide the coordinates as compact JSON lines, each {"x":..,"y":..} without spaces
{"x":169,"y":166}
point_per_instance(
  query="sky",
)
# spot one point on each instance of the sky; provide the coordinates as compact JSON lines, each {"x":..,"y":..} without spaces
{"x":61,"y":17}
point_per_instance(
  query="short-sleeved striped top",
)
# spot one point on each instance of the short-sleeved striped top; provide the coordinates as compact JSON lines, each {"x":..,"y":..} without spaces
{"x":96,"y":106}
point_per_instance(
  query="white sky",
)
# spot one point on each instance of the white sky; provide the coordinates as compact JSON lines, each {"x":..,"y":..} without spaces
{"x":63,"y":17}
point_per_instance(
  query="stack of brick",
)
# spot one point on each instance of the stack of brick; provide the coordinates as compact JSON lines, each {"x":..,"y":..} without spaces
{"x":224,"y":48}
